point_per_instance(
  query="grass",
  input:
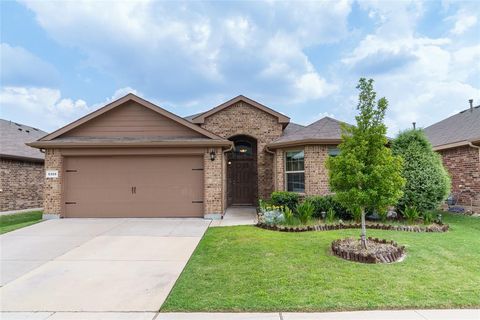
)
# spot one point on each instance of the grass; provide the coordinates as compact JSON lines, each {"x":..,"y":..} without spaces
{"x":16,"y":221}
{"x":246,"y":268}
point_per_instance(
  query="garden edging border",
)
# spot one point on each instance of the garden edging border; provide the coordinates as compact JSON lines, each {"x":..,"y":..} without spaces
{"x":340,"y":226}
{"x":390,"y":257}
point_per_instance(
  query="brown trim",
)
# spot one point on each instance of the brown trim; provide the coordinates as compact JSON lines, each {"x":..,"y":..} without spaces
{"x":451,"y":145}
{"x":132,"y":151}
{"x":123,"y":144}
{"x":286,"y":144}
{"x":199,"y":119}
{"x":118,"y":102}
{"x":20,"y":158}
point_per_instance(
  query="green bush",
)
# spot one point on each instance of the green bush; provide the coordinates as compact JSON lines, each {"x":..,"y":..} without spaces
{"x":428,"y":217}
{"x":382,"y":214}
{"x":286,"y":199}
{"x":427,"y":181}
{"x":324,"y":203}
{"x":330,"y":216}
{"x":411,"y":214}
{"x":288,"y":215}
{"x":305,"y":212}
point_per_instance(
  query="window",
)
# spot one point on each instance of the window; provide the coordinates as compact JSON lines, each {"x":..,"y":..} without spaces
{"x":295,"y":171}
{"x":333,"y":151}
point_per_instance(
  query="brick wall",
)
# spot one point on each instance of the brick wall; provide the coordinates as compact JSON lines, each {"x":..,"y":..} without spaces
{"x":21,"y":184}
{"x":316,"y":174}
{"x":213,"y":198}
{"x":244,"y":119}
{"x":53,"y":186}
{"x":463,"y":164}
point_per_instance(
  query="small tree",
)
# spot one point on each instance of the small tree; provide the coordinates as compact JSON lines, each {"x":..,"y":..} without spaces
{"x":366,"y":175}
{"x":427,"y":181}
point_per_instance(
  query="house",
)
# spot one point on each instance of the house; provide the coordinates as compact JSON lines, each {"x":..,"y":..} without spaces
{"x":457,"y":139}
{"x":132,"y":158}
{"x":22,"y":172}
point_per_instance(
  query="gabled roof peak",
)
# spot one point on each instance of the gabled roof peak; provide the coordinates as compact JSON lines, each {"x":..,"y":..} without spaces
{"x":200,"y":118}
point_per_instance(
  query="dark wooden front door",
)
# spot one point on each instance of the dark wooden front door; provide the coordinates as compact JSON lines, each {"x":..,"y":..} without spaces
{"x":242,"y":181}
{"x":242,"y":172}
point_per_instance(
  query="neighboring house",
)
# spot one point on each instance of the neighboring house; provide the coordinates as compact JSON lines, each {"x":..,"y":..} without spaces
{"x":21,"y":167}
{"x":457,"y":139}
{"x":132,"y":158}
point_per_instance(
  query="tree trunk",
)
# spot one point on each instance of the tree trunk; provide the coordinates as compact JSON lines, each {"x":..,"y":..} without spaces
{"x":363,"y":236}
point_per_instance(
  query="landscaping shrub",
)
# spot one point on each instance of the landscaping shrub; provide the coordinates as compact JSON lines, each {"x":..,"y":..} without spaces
{"x":330,"y":217}
{"x":427,"y":181}
{"x":428,"y":217}
{"x":286,"y":199}
{"x":305,"y":211}
{"x":324,"y":203}
{"x":411,"y":214}
{"x":288,"y":216}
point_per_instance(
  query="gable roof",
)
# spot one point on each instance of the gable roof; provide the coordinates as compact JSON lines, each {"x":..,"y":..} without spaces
{"x":129,"y":97}
{"x":13,"y":139}
{"x":200,"y":118}
{"x":324,"y":131}
{"x":460,"y":129}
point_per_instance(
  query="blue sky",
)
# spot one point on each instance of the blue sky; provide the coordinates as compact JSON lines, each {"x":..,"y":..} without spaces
{"x":61,"y":60}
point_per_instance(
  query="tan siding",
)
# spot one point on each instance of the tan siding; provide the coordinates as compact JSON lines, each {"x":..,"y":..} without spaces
{"x":132,"y":120}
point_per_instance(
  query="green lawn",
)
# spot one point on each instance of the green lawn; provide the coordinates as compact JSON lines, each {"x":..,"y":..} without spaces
{"x":250,"y":269}
{"x":16,"y":221}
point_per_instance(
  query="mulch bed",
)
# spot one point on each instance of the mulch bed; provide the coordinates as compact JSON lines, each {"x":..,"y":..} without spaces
{"x":378,"y":226}
{"x":378,"y":250}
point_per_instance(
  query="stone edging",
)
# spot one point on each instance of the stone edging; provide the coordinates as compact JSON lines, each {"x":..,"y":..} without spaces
{"x":390,"y":257}
{"x":328,"y":227}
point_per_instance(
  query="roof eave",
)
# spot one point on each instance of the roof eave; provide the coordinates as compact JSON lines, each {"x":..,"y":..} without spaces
{"x":287,"y":144}
{"x":124,"y":144}
{"x":22,"y":158}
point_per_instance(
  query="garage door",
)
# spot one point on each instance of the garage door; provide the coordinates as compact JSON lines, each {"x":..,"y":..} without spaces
{"x":134,"y":186}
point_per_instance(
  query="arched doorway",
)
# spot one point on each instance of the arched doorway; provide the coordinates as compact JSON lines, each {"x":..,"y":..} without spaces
{"x":242,"y":172}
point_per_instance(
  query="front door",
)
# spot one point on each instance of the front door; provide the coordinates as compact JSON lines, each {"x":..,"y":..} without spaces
{"x":242,"y":172}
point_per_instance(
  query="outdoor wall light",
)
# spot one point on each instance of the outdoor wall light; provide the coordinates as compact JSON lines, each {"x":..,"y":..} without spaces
{"x":212,"y":155}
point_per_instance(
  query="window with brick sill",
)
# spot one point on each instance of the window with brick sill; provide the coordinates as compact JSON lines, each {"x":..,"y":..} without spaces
{"x":295,"y":171}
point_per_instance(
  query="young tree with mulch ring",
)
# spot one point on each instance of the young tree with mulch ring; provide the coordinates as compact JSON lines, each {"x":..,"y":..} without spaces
{"x":366,"y":175}
{"x":428,"y":183}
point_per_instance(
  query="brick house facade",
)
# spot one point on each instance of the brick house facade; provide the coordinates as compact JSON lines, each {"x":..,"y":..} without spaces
{"x":463,"y":165}
{"x":457,"y":140}
{"x":242,"y":144}
{"x":21,"y":168}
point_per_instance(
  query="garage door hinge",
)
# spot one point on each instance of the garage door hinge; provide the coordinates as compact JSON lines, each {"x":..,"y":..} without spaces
{"x":70,"y":203}
{"x":71,"y":170}
{"x":197,"y":201}
{"x":197,"y":169}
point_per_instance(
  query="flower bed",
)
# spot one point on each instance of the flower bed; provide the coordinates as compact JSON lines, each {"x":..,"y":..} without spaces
{"x":378,"y":251}
{"x":379,"y":226}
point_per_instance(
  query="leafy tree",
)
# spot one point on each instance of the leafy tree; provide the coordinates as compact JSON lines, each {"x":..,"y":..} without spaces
{"x":366,"y":175}
{"x":427,"y":181}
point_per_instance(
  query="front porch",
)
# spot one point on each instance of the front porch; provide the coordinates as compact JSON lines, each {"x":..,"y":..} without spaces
{"x":237,"y":216}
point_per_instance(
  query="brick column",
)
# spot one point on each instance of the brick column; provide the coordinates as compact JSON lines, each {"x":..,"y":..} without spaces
{"x":213,"y":184}
{"x":316,"y":174}
{"x":52,"y":207}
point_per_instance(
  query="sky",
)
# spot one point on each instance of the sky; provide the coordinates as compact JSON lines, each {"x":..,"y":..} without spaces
{"x":62,"y":60}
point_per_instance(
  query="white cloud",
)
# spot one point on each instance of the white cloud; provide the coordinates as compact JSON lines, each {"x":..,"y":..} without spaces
{"x":463,"y":21}
{"x":199,"y":48}
{"x":427,"y":80}
{"x":45,"y":108}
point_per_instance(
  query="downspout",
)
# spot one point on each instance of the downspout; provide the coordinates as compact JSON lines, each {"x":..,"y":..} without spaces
{"x":224,"y":179}
{"x":274,"y":167}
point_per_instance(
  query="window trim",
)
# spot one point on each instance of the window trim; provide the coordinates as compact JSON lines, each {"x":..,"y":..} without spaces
{"x":285,"y":172}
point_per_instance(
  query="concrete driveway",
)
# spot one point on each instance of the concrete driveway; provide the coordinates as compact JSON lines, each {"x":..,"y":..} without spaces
{"x":95,"y":264}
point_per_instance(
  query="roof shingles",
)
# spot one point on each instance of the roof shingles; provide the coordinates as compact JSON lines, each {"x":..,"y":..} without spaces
{"x":13,"y":137}
{"x":461,"y":127}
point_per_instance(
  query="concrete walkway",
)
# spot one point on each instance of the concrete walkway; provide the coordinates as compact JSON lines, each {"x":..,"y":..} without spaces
{"x":237,"y":216}
{"x":95,"y":264}
{"x":462,"y":314}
